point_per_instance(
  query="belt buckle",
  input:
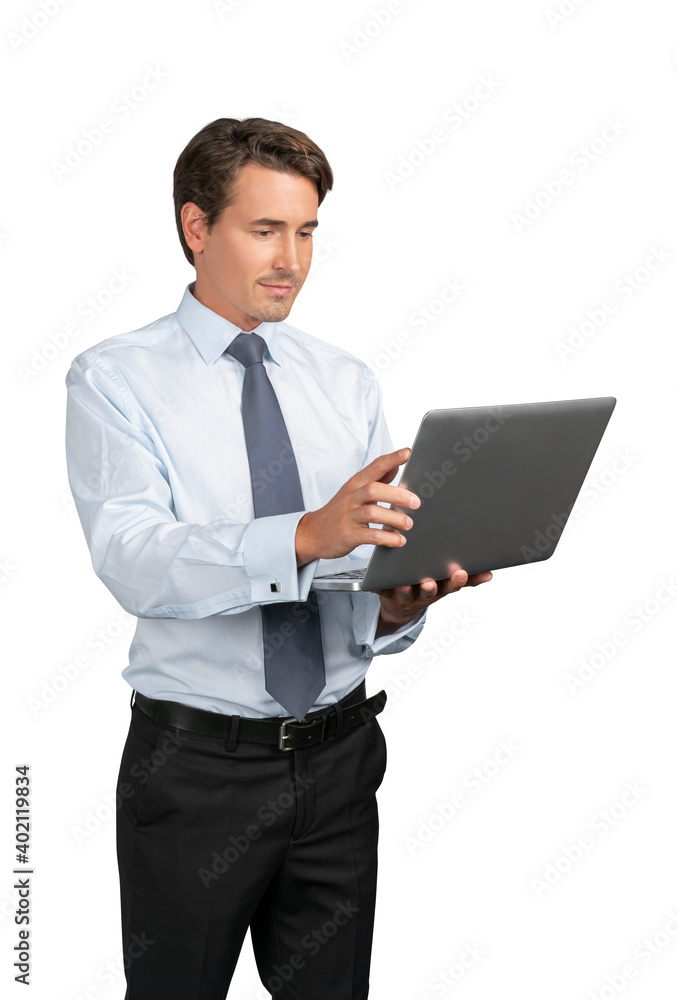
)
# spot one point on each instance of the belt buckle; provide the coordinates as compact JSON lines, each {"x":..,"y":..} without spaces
{"x":284,"y":735}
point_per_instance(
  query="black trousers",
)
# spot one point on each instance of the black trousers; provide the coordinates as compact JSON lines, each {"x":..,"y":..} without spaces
{"x":213,"y":840}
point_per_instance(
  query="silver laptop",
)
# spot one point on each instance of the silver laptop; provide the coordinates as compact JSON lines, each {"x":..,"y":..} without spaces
{"x":497,"y":484}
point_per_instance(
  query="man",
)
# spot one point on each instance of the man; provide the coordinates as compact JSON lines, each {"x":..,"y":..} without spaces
{"x":215,"y":457}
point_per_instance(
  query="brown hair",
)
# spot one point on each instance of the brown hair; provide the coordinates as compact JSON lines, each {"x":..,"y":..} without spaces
{"x":207,"y":168}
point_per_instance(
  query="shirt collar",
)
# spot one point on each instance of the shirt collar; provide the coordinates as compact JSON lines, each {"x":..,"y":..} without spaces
{"x":212,"y":333}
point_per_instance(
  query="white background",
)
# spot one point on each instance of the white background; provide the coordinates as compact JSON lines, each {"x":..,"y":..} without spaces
{"x":492,"y":663}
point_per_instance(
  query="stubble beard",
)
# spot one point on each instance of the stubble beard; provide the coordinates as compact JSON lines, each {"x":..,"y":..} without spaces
{"x":275,"y":310}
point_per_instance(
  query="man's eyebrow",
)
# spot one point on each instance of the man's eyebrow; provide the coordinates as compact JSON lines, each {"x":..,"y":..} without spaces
{"x":281,"y":222}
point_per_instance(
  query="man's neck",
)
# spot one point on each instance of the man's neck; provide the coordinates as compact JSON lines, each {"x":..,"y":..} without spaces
{"x":222,"y":308}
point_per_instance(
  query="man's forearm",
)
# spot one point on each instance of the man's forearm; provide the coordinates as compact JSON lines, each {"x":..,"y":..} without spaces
{"x":385,"y":627}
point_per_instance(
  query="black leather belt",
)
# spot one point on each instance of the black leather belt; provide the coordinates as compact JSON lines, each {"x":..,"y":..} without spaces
{"x":286,"y":734}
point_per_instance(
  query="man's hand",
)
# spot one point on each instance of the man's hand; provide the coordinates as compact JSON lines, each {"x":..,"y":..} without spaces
{"x":342,"y":524}
{"x":337,"y":528}
{"x":400,"y":605}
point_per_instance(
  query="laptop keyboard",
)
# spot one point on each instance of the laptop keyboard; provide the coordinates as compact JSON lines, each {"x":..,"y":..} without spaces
{"x":348,"y":574}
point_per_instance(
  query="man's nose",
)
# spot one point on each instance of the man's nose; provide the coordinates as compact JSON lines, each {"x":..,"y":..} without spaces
{"x":287,"y":255}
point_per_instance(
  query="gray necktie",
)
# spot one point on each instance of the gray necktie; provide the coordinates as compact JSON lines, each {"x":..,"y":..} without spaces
{"x":292,"y":637}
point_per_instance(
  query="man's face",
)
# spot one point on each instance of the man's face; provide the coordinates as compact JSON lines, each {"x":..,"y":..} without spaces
{"x":253,"y":264}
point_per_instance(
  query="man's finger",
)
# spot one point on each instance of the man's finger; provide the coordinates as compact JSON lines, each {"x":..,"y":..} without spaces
{"x":383,"y":468}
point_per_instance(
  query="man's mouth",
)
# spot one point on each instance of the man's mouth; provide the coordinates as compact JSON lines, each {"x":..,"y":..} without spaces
{"x":277,"y":289}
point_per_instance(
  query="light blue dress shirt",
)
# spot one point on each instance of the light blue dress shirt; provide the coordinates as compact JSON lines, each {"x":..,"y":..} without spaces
{"x":158,"y":468}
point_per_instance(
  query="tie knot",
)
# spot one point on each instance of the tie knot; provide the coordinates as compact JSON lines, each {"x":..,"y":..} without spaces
{"x":247,"y":348}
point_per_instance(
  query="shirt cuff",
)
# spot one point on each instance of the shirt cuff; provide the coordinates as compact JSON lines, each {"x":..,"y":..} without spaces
{"x":366,"y":611}
{"x":269,"y":550}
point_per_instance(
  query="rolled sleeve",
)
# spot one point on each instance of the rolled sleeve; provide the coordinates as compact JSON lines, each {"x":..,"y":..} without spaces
{"x":366,"y":610}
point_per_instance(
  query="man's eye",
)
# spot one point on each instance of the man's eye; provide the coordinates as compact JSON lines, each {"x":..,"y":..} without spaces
{"x":268,"y":232}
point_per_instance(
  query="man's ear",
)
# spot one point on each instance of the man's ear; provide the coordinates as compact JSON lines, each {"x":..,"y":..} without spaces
{"x":194,"y":223}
